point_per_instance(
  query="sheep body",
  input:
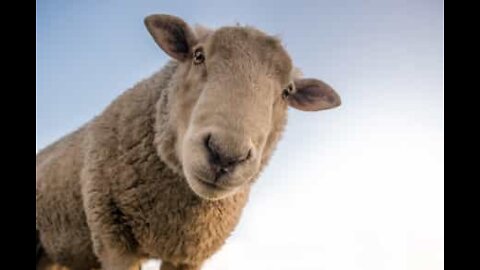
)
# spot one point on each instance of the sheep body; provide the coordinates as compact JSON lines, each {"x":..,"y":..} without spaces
{"x":166,"y":169}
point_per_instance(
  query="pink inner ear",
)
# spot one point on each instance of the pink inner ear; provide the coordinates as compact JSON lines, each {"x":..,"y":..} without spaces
{"x":313,"y":95}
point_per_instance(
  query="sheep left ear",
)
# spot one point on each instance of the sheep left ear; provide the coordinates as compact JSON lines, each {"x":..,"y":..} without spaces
{"x":172,"y":34}
{"x":313,"y":95}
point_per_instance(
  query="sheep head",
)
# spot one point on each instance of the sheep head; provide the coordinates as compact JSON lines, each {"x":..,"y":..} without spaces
{"x":233,"y":86}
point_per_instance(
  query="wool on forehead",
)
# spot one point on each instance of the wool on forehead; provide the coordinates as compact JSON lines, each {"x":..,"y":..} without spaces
{"x":249,"y":43}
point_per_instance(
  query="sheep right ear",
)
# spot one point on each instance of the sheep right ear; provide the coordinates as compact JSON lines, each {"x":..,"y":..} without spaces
{"x":313,"y":95}
{"x":172,"y":34}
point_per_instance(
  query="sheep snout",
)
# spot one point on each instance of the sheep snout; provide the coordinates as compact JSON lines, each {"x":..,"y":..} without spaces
{"x":224,"y":161}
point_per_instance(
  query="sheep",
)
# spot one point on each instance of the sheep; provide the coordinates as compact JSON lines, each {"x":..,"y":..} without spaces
{"x":166,"y":169}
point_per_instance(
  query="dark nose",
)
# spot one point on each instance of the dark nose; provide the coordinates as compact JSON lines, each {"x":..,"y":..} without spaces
{"x":222,"y":162}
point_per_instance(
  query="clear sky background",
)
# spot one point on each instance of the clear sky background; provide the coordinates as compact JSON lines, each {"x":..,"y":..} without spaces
{"x":358,"y":187}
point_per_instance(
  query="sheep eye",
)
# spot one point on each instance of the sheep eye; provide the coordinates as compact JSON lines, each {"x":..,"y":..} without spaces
{"x":198,"y":56}
{"x":287,"y":91}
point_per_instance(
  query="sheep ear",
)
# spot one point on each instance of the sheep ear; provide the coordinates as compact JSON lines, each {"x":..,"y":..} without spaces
{"x":313,"y":95}
{"x":172,"y":34}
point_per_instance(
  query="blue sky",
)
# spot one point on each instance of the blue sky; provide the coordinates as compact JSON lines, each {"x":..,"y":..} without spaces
{"x":372,"y":169}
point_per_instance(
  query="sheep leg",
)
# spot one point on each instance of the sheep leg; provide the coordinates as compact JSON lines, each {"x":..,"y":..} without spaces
{"x":170,"y":266}
{"x":44,"y":263}
{"x":112,"y":260}
{"x":112,"y":239}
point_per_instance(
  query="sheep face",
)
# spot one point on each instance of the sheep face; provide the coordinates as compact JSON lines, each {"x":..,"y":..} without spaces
{"x":229,"y":105}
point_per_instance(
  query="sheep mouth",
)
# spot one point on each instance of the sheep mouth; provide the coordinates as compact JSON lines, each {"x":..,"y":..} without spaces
{"x":212,"y":185}
{"x":211,"y":190}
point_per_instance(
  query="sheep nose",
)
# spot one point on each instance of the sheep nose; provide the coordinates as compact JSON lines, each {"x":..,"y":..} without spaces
{"x":221,"y":161}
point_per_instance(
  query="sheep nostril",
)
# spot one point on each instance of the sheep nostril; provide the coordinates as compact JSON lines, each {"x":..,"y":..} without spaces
{"x":207,"y":142}
{"x":214,"y":156}
{"x":249,"y":155}
{"x":209,"y":145}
